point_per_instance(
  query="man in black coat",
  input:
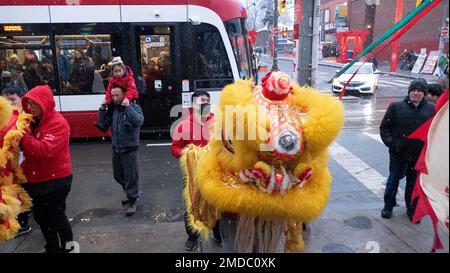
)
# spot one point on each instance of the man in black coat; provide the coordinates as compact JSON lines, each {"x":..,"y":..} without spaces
{"x":401,"y":120}
{"x":125,"y":121}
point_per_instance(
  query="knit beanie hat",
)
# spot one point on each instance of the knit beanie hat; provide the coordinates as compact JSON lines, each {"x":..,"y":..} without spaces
{"x":419,"y":83}
{"x":117,"y":61}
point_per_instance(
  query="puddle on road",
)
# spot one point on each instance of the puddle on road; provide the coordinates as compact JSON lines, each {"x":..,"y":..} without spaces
{"x":359,"y":222}
{"x":335,"y":248}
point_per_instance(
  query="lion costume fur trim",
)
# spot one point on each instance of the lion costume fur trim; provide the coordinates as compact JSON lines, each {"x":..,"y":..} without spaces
{"x":14,"y":199}
{"x":5,"y":112}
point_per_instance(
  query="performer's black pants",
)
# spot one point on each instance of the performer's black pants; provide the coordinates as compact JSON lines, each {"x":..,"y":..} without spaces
{"x":49,"y":206}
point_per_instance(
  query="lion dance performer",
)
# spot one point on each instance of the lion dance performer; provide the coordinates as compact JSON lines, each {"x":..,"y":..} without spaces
{"x":13,"y":198}
{"x":265,"y":169}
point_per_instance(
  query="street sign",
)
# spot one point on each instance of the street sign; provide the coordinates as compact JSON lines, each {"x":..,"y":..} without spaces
{"x":430,"y":63}
{"x":342,"y":29}
{"x":419,"y":63}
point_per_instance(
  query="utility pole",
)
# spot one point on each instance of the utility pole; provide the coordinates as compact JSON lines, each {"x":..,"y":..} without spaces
{"x":315,"y":43}
{"x":275,"y":35}
{"x":307,"y":45}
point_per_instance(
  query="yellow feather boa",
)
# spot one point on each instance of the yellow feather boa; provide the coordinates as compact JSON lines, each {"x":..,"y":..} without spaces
{"x":13,"y":198}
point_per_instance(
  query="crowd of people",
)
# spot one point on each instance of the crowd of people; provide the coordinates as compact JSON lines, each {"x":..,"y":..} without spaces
{"x":27,"y":75}
{"x":83,"y":72}
{"x":156,"y":68}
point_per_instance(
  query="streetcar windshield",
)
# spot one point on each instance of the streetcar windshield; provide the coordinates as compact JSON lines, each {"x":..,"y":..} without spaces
{"x":240,"y":43}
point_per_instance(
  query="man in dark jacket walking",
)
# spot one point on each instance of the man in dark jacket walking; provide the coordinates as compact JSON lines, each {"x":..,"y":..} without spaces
{"x":401,"y":120}
{"x":126,"y":120}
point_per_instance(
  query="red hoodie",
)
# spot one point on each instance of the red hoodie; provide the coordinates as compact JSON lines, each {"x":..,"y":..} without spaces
{"x":46,"y":149}
{"x":126,"y":82}
{"x":190,"y":132}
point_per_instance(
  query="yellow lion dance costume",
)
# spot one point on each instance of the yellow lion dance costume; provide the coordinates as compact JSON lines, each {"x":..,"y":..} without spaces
{"x":267,"y":161}
{"x":13,"y":198}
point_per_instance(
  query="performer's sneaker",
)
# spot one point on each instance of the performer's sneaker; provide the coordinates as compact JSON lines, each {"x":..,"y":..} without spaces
{"x":131,"y":209}
{"x":125,"y":203}
{"x":191,"y":244}
{"x":386,"y":212}
{"x":217,"y":239}
{"x":23,"y":231}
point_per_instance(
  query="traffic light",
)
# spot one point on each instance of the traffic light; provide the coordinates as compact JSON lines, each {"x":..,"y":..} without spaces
{"x":282,"y":4}
{"x":285,"y":32}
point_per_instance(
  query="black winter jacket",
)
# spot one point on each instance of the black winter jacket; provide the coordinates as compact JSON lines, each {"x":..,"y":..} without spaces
{"x":401,"y":120}
{"x":126,"y":123}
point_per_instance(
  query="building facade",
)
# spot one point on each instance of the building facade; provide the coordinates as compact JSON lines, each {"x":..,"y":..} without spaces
{"x":333,"y":19}
{"x":379,"y":18}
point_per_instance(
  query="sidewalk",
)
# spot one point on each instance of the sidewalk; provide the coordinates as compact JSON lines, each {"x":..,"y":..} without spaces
{"x":385,"y":70}
{"x":358,"y":231}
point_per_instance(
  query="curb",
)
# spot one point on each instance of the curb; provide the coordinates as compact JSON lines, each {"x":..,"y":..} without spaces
{"x":386,"y":73}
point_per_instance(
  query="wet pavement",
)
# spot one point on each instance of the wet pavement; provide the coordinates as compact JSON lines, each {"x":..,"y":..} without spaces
{"x":350,"y":223}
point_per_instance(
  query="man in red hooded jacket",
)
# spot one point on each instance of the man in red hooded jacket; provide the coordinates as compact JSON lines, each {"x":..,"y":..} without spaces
{"x":47,"y":167}
{"x":195,"y":130}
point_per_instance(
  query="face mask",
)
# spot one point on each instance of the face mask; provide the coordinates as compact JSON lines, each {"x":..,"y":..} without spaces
{"x":205,"y":109}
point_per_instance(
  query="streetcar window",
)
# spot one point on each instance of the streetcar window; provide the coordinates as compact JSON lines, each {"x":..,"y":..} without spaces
{"x":27,"y":61}
{"x":83,"y":63}
{"x":237,"y":35}
{"x":211,"y":65}
{"x":156,"y":62}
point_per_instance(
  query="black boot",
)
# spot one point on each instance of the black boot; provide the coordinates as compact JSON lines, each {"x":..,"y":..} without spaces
{"x":191,"y":243}
{"x":410,"y":212}
{"x":386,"y":212}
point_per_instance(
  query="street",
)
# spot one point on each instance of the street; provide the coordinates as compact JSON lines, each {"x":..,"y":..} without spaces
{"x":351,"y":221}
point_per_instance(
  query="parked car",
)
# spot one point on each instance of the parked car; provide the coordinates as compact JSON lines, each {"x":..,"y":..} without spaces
{"x":285,"y":45}
{"x":365,"y":82}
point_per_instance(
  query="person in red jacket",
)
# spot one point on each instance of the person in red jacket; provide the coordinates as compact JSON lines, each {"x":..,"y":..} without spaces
{"x":195,"y":130}
{"x":47,"y":167}
{"x":122,"y":76}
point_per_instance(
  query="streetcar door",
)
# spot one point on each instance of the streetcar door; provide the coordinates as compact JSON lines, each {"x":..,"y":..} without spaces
{"x":160,"y":81}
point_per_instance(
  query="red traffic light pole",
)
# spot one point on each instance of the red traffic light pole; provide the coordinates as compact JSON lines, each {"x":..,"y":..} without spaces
{"x":396,"y":44}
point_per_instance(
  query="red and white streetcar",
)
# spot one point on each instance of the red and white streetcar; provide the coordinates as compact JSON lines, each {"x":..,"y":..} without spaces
{"x":174,"y":48}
